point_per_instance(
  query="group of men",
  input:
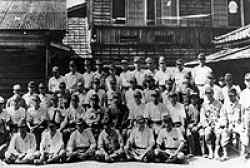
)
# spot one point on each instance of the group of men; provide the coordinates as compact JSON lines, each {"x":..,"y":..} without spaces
{"x":147,"y":114}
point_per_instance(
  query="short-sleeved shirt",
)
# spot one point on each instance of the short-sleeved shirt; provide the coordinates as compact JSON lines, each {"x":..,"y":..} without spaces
{"x":200,"y":74}
{"x":154,"y":112}
{"x":72,"y":80}
{"x":218,"y":93}
{"x":51,"y":144}
{"x":225,"y":90}
{"x":210,"y":112}
{"x":82,"y":98}
{"x":179,"y":76}
{"x":57,"y":114}
{"x":147,"y":94}
{"x":84,"y":139}
{"x":170,"y":139}
{"x":162,"y":76}
{"x":130,"y":99}
{"x":35,"y":116}
{"x":16,"y":115}
{"x":231,"y":111}
{"x":28,"y":98}
{"x":88,"y":78}
{"x":101,"y":94}
{"x":20,"y":145}
{"x":139,"y":75}
{"x":93,"y":116}
{"x":45,"y":100}
{"x":142,"y":139}
{"x":177,"y":112}
{"x":54,"y":83}
{"x":73,"y":114}
{"x":110,"y":142}
{"x":124,"y":78}
{"x":136,"y":111}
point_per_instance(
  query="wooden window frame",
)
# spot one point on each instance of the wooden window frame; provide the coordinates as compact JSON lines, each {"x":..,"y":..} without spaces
{"x":118,"y":20}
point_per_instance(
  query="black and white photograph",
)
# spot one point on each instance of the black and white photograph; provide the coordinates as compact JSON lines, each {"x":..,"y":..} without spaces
{"x":124,"y":83}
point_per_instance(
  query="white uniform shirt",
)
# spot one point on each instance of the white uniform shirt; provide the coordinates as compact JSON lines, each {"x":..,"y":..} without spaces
{"x":155,"y":112}
{"x":124,"y":78}
{"x":139,"y":76}
{"x":51,"y":144}
{"x":54,"y":83}
{"x":88,"y":78}
{"x":162,"y":76}
{"x":200,"y":74}
{"x":177,"y":112}
{"x":16,"y":115}
{"x":72,"y":79}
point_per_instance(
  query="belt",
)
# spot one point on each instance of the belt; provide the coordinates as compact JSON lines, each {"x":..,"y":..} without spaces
{"x":171,"y":148}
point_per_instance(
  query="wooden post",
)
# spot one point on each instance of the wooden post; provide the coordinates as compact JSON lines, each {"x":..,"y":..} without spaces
{"x":47,"y":64}
{"x":178,"y":11}
{"x":242,"y":16}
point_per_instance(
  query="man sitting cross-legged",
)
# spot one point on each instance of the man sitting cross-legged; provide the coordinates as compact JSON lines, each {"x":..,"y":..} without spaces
{"x":141,"y":141}
{"x":82,"y":144}
{"x":170,"y":143}
{"x":22,"y":148}
{"x":110,"y":143}
{"x":52,"y":146}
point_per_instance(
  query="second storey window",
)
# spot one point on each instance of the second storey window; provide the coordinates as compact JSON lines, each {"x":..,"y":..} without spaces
{"x":118,"y":11}
{"x":151,"y":12}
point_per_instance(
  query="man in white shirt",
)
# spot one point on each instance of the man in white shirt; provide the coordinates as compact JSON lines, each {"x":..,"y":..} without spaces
{"x":82,"y":144}
{"x":245,"y":105}
{"x":150,"y":71}
{"x":138,"y":73}
{"x":52,"y":146}
{"x":22,"y":146}
{"x":72,"y":77}
{"x":55,"y":80}
{"x":88,"y":75}
{"x":162,"y":75}
{"x":125,"y":76}
{"x":31,"y":92}
{"x":201,"y":72}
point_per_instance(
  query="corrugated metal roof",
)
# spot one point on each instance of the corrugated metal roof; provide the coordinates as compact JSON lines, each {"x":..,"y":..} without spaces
{"x":71,"y":3}
{"x":226,"y":54}
{"x":236,"y":35}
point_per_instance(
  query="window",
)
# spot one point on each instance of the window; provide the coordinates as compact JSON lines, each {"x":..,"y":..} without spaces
{"x":118,"y":14}
{"x":234,"y":13}
{"x":151,"y":12}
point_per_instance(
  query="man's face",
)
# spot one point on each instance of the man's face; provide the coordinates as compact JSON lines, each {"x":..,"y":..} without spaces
{"x":55,"y":73}
{"x":22,"y":131}
{"x":138,"y":99}
{"x":137,"y":65}
{"x":42,"y":90}
{"x":96,"y":85}
{"x":98,"y":67}
{"x":168,"y":125}
{"x":228,"y":81}
{"x":232,"y":97}
{"x":141,"y":124}
{"x":52,"y":128}
{"x":74,"y":102}
{"x":150,"y":65}
{"x":179,"y":65}
{"x":202,"y":61}
{"x":80,"y":87}
{"x":125,"y":67}
{"x":31,"y":89}
{"x":209,"y":95}
{"x":162,"y":65}
{"x":17,"y":91}
{"x":173,"y":99}
{"x":72,"y":68}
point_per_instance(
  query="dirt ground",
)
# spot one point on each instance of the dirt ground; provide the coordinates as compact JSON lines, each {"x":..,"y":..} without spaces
{"x":196,"y":162}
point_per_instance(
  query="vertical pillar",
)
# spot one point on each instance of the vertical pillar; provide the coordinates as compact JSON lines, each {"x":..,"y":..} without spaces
{"x":178,"y":11}
{"x":47,"y":64}
{"x":242,"y":16}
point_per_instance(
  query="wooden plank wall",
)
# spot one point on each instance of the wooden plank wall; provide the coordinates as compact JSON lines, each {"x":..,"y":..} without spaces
{"x":195,"y":7}
{"x":36,"y":14}
{"x":220,"y":13}
{"x":102,"y":11}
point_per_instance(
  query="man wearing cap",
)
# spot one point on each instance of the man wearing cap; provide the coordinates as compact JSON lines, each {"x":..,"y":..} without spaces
{"x":55,"y":80}
{"x":201,"y":72}
{"x":245,"y":105}
{"x":31,"y":92}
{"x":22,"y":146}
{"x":112,"y":77}
{"x":229,"y":85}
{"x":96,"y":89}
{"x":88,"y":75}
{"x":218,"y":94}
{"x":150,"y":70}
{"x":16,"y":93}
{"x":15,"y":113}
{"x":193,"y":119}
{"x":72,"y":77}
{"x":118,"y":112}
{"x":141,"y":141}
{"x":209,"y":118}
{"x":170,"y":143}
{"x":154,"y":111}
{"x":177,"y":111}
{"x":178,"y":74}
{"x":82,"y":94}
{"x":99,"y":69}
{"x":162,"y":75}
{"x":52,"y":146}
{"x":110,"y":143}
{"x":138,"y":73}
{"x":94,"y":113}
{"x":73,"y":113}
{"x":138,"y":108}
{"x":44,"y":97}
{"x":125,"y":75}
{"x":36,"y":119}
{"x":82,"y":144}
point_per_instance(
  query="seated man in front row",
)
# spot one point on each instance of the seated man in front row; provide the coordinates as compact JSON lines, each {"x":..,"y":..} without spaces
{"x":22,"y":146}
{"x":170,"y":143}
{"x":82,"y":144}
{"x":110,"y":142}
{"x":52,"y":146}
{"x":141,"y":141}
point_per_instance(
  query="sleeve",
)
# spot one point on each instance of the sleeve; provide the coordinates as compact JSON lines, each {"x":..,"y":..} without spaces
{"x":159,"y":139}
{"x":151,"y":138}
{"x":100,"y":141}
{"x":71,"y":143}
{"x":50,"y":85}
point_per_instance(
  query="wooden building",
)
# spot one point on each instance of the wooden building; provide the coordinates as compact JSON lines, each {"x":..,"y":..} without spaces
{"x":27,"y":30}
{"x":121,"y":29}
